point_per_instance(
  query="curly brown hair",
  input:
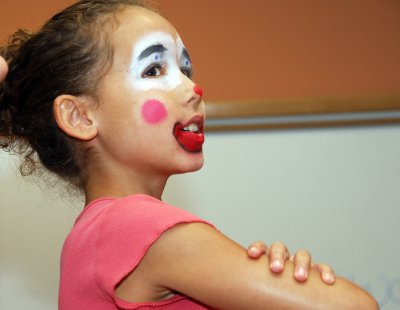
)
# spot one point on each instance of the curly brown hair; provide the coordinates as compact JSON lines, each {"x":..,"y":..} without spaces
{"x":69,"y":55}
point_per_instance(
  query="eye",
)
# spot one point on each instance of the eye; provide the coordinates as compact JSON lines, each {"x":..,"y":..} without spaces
{"x":188,"y":71}
{"x":153,"y":70}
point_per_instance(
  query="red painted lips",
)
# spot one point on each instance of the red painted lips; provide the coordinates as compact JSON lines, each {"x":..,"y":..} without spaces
{"x":189,"y":140}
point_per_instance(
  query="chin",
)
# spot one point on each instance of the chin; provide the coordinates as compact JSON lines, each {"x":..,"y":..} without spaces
{"x":191,"y":165}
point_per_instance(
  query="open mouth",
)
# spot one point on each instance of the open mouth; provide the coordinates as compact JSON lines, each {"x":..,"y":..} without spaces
{"x":190,"y":136}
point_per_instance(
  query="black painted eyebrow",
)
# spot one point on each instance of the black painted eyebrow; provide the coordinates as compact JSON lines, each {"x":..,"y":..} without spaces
{"x":157,"y":48}
{"x":186,"y":54}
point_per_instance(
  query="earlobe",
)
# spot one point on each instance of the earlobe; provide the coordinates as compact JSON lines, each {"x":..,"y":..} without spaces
{"x":73,"y":116}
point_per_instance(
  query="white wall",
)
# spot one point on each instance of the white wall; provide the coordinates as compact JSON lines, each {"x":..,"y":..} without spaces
{"x":335,"y":192}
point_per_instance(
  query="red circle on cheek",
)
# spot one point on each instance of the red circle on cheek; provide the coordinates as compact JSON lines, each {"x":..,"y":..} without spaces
{"x":154,"y":111}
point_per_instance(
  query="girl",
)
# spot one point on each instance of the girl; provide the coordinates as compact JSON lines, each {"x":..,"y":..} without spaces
{"x":103,"y":97}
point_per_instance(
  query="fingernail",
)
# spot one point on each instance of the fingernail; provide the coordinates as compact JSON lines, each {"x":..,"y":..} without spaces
{"x":276,"y":265}
{"x":328,"y":277}
{"x":254,"y":250}
{"x":301,"y":272}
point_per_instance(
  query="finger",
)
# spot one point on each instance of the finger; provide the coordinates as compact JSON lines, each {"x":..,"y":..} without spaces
{"x":302,"y":263}
{"x":3,"y":68}
{"x":278,"y":254}
{"x":327,"y":274}
{"x":256,"y":249}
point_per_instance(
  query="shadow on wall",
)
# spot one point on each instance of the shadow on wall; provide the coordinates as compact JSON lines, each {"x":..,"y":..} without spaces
{"x":33,"y":228}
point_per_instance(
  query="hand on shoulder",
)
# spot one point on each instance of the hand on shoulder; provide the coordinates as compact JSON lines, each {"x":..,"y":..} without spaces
{"x":278,"y":254}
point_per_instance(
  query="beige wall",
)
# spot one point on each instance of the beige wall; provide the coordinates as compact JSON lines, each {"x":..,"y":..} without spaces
{"x":271,"y":48}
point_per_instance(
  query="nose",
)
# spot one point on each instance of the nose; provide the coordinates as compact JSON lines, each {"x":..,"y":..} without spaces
{"x":197,"y":90}
{"x":196,"y":97}
{"x":191,"y":92}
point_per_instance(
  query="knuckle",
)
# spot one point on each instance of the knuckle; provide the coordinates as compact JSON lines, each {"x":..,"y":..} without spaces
{"x":255,"y":243}
{"x":327,"y":268}
{"x":303,"y":254}
{"x":279,"y":246}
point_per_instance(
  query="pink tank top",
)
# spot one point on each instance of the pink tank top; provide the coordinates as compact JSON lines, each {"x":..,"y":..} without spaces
{"x":109,"y":239}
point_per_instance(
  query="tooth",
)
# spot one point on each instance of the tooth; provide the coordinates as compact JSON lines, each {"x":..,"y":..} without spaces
{"x":192,"y":127}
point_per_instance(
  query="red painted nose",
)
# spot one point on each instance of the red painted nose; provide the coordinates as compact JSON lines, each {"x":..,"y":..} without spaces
{"x":198,"y":91}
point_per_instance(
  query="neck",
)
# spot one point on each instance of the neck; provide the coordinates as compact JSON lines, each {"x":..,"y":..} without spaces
{"x":116,"y":184}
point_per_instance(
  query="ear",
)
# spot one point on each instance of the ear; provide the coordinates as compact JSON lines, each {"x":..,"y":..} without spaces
{"x":74,"y":116}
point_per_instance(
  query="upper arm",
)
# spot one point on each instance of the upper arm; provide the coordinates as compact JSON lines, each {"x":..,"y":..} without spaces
{"x":197,"y":261}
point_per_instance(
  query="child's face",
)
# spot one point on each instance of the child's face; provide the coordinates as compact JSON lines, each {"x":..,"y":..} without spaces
{"x":148,"y":98}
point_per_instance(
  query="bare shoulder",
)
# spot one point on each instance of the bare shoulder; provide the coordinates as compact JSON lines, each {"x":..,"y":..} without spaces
{"x":198,"y":261}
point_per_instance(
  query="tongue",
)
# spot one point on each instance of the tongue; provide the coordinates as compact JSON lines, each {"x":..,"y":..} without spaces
{"x":190,"y":141}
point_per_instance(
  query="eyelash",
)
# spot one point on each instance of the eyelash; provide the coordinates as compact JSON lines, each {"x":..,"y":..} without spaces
{"x":153,"y":66}
{"x":188,"y":71}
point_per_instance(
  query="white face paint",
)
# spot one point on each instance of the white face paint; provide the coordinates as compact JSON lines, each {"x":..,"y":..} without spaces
{"x":158,"y":62}
{"x":184,"y":60}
